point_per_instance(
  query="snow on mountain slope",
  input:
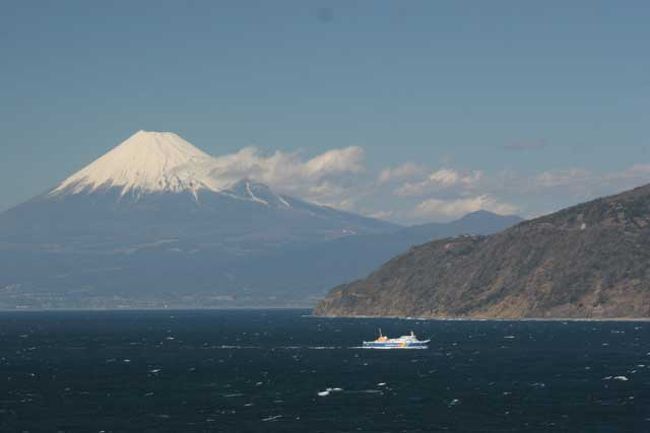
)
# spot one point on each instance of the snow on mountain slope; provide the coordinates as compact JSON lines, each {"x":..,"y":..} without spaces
{"x":246,"y":189}
{"x":145,"y":162}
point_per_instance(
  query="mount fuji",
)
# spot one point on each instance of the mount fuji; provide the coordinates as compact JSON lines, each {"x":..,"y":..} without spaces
{"x":156,"y":186}
{"x":148,"y":224}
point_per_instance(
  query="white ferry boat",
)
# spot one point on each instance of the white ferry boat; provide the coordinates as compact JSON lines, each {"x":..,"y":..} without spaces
{"x":403,"y":342}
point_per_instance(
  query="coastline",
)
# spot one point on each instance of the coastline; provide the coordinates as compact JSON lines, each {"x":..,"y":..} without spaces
{"x":492,"y":319}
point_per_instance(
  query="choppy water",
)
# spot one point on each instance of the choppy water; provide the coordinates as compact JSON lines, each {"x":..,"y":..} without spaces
{"x":261,"y":371}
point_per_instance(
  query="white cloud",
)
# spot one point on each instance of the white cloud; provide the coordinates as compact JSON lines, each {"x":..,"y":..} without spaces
{"x":580,"y":182}
{"x":637,"y":173}
{"x":330,"y":193}
{"x":446,"y":177}
{"x":382,"y":214}
{"x":323,"y":178}
{"x":439,"y":209}
{"x":412,"y":192}
{"x":443,"y":178}
{"x":401,"y":172}
{"x":280,"y":167}
{"x":345,"y":160}
{"x":566,"y":177}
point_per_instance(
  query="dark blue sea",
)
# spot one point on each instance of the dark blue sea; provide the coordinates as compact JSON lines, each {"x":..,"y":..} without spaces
{"x":262,"y":370}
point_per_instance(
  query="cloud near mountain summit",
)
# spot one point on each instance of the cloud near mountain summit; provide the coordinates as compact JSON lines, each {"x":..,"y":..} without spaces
{"x":412,"y":192}
{"x":319,"y":178}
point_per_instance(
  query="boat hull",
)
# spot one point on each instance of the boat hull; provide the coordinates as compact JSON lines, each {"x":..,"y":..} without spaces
{"x":395,"y":345}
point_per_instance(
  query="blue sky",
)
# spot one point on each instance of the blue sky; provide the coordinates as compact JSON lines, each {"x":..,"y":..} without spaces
{"x":506,"y":105}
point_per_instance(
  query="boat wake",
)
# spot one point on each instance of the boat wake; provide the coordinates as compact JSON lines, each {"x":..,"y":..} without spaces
{"x":248,"y":347}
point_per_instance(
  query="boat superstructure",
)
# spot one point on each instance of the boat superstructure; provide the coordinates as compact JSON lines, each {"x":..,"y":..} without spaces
{"x":403,"y":342}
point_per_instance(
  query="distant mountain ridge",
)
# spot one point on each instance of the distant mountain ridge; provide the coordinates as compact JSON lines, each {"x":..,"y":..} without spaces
{"x":346,"y":258}
{"x":587,"y":261}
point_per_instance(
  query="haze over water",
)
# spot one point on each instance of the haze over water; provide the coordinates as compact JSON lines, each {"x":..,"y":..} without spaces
{"x":262,"y":370}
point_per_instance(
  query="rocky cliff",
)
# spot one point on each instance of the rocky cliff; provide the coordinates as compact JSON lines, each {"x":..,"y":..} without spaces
{"x":588,"y":261}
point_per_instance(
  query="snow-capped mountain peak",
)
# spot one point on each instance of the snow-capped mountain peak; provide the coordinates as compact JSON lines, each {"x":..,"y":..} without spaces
{"x":145,"y":162}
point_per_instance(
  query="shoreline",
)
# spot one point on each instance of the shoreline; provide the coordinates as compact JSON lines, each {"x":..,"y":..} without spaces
{"x":494,"y":319}
{"x":313,"y":316}
{"x":170,"y":309}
